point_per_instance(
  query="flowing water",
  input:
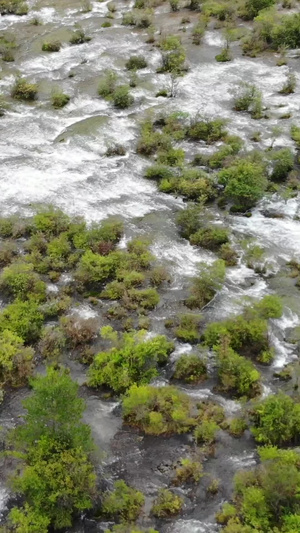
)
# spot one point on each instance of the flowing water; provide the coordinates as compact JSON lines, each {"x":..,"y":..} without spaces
{"x":50,"y":156}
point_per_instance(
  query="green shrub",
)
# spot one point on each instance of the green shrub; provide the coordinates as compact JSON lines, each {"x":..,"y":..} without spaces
{"x":51,"y":46}
{"x":235,"y":373}
{"x":188,"y":220}
{"x":79,"y":37}
{"x":20,"y":281}
{"x":228,"y":254}
{"x":16,"y":361}
{"x":245,"y":183}
{"x":248,"y":98}
{"x":8,"y":252}
{"x":13,"y":7}
{"x":157,"y":410}
{"x":23,"y":90}
{"x":290,"y":85}
{"x":188,"y":328}
{"x":52,"y":342}
{"x":237,"y":427}
{"x":266,"y":499}
{"x":253,"y":7}
{"x":224,"y":56}
{"x":190,"y":368}
{"x":207,"y":130}
{"x":167,"y":504}
{"x":106,"y":24}
{"x":276,"y":420}
{"x":247,"y":333}
{"x":122,"y":97}
{"x":50,"y":221}
{"x":56,"y":479}
{"x":282,"y":163}
{"x":205,"y":432}
{"x":22,"y":318}
{"x":94,"y":268}
{"x":136,"y":63}
{"x":188,"y":471}
{"x":132,"y":359}
{"x":206,"y":284}
{"x":124,"y":503}
{"x":211,"y":237}
{"x":108,"y":84}
{"x":59,"y":99}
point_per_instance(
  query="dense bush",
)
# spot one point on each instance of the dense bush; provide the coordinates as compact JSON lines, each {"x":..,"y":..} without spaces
{"x":187,"y":329}
{"x":265,"y":499}
{"x":245,"y":183}
{"x":157,"y":410}
{"x":206,"y":284}
{"x":22,"y":318}
{"x":188,"y":471}
{"x":13,"y":7}
{"x":167,"y":504}
{"x":276,"y":420}
{"x":79,"y":37}
{"x":23,"y":90}
{"x":123,"y":503}
{"x":190,"y":368}
{"x":20,"y":281}
{"x":247,"y":333}
{"x":51,"y":46}
{"x":248,"y":98}
{"x":15,"y":360}
{"x":210,"y":237}
{"x":236,"y":374}
{"x":253,"y":7}
{"x":282,"y":163}
{"x":122,"y":97}
{"x":136,"y":63}
{"x":59,"y":99}
{"x":132,"y":359}
{"x":207,"y":130}
{"x":108,"y":84}
{"x":57,"y":479}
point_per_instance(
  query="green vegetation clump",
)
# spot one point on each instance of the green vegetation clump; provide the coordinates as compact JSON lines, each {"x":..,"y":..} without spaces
{"x":123,"y":503}
{"x":23,"y":90}
{"x":167,"y":504}
{"x":187,"y":328}
{"x":253,"y":7}
{"x":122,"y":97}
{"x":236,"y":374}
{"x":249,"y":99}
{"x":188,"y":471}
{"x":57,"y":480}
{"x":136,"y":63}
{"x":79,"y":37}
{"x":13,"y":7}
{"x":51,"y":46}
{"x":206,"y":130}
{"x":245,"y":183}
{"x":247,"y":333}
{"x":237,"y":427}
{"x":23,"y":318}
{"x":265,"y":499}
{"x":282,"y":163}
{"x":275,"y":420}
{"x":59,"y":99}
{"x":132,"y":359}
{"x":206,"y":284}
{"x":16,"y":361}
{"x":157,"y":410}
{"x":173,"y":55}
{"x":190,"y":368}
